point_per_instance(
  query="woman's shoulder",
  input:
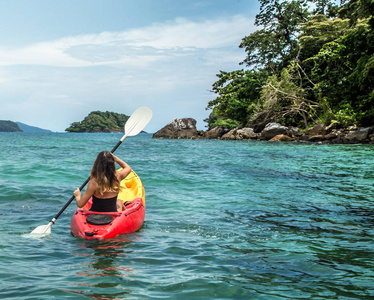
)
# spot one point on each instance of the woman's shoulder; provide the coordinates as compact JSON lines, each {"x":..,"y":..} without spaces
{"x":92,"y":183}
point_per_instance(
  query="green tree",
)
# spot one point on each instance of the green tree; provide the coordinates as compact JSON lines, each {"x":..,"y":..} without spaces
{"x":344,"y":71}
{"x":275,"y":45}
{"x":356,"y":10}
{"x":215,"y":120}
{"x":318,"y":31}
{"x":237,"y":92}
{"x":283,"y":100}
{"x":305,"y":67}
{"x":328,"y":8}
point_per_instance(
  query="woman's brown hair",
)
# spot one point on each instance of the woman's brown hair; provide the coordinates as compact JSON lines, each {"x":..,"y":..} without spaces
{"x":104,"y":172}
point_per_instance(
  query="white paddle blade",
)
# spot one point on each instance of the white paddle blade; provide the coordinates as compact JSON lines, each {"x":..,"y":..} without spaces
{"x":43,"y":229}
{"x":138,"y":121}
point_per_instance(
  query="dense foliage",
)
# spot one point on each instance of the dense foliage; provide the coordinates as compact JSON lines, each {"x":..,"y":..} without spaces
{"x":9,"y":126}
{"x":303,"y":66}
{"x":98,"y":121}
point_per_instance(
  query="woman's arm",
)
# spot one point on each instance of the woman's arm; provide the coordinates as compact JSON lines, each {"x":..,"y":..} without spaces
{"x":126,"y":169}
{"x":82,"y":200}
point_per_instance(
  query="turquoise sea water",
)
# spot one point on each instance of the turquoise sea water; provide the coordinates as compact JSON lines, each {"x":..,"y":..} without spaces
{"x":224,"y":220}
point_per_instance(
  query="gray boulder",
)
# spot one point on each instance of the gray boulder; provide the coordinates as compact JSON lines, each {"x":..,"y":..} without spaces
{"x":231,"y":135}
{"x":318,"y":129}
{"x":246,"y":134}
{"x":184,"y":128}
{"x":273,"y":129}
{"x":294,"y":132}
{"x":215,"y":133}
{"x":359,"y":135}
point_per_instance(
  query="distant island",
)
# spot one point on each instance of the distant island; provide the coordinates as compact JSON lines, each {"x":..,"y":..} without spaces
{"x":9,"y":126}
{"x":31,"y":129}
{"x":98,"y":121}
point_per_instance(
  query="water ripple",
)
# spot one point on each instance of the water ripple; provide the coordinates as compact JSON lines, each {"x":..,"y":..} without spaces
{"x":224,"y":220}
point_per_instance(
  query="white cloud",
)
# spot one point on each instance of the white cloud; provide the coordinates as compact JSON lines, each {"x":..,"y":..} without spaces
{"x":169,"y":67}
{"x":140,"y":47}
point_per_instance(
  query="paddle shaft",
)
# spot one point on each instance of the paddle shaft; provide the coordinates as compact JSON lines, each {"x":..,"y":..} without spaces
{"x":82,"y":186}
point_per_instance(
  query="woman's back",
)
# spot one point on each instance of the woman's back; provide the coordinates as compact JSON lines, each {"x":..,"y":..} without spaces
{"x":104,"y":185}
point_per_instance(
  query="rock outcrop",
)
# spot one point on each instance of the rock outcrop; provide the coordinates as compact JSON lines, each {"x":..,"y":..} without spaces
{"x":231,"y":135}
{"x":184,"y":128}
{"x":240,"y":134}
{"x":318,"y":129}
{"x":359,"y":135}
{"x":246,"y":134}
{"x":273,"y":129}
{"x":215,"y":133}
{"x":275,"y":132}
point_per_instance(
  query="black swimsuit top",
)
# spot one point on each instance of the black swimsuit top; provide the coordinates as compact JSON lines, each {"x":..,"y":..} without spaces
{"x":104,"y":205}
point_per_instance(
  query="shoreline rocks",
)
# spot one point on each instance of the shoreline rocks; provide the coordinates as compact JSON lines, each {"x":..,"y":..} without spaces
{"x":274,"y":132}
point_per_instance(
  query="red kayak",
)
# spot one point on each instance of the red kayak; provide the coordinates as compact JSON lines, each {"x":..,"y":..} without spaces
{"x":105,"y":225}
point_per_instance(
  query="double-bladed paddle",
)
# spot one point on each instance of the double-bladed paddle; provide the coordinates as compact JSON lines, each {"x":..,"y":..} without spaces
{"x":135,"y":124}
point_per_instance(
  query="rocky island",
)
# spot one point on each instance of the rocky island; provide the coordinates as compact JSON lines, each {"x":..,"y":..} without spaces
{"x":309,"y":79}
{"x":98,"y":121}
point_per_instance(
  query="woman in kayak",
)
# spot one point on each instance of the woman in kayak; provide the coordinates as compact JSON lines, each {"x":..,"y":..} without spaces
{"x":104,"y":184}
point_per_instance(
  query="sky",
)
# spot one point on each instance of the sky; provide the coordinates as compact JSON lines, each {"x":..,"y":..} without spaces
{"x":60,"y":60}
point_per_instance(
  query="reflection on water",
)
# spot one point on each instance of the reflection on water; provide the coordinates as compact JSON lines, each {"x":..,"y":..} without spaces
{"x":105,"y":266}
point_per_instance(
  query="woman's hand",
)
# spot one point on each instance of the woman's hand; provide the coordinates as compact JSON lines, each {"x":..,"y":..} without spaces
{"x":77,"y":194}
{"x":126,"y":169}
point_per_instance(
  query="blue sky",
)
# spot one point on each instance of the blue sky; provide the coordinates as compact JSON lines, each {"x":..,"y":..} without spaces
{"x":60,"y":60}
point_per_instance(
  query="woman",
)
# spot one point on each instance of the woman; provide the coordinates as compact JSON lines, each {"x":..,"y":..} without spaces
{"x":104,"y":184}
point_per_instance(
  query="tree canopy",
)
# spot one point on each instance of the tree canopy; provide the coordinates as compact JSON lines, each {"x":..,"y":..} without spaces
{"x":98,"y":121}
{"x":303,"y":66}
